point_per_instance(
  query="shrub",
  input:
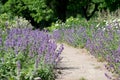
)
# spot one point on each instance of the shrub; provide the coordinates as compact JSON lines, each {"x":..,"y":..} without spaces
{"x":26,"y":54}
{"x":70,"y":22}
{"x":34,"y":10}
{"x":105,"y":44}
{"x":8,"y":22}
{"x":73,"y":36}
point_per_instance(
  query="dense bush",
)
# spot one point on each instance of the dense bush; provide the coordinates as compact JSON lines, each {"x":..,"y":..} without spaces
{"x":8,"y":22}
{"x":4,"y":18}
{"x":70,"y":23}
{"x":26,"y":54}
{"x":35,"y":11}
{"x":103,"y":19}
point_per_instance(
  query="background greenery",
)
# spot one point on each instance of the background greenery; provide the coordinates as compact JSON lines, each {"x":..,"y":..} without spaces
{"x":41,"y":13}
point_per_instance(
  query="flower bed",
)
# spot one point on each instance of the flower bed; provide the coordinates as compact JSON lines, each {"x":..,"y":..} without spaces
{"x":26,"y":54}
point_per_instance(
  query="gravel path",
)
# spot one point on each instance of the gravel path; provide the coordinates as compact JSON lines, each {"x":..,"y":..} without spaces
{"x":77,"y":64}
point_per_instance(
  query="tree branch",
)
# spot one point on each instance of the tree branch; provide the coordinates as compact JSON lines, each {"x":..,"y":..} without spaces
{"x":85,"y":8}
{"x":95,"y":9}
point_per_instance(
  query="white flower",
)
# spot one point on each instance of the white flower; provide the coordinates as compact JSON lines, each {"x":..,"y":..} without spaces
{"x":56,"y":24}
{"x":103,"y":29}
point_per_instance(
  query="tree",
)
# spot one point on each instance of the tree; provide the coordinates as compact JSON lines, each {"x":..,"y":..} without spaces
{"x":66,"y":8}
{"x":3,"y":1}
{"x":86,"y":8}
{"x":59,"y":7}
{"x":43,"y":12}
{"x":34,"y":10}
{"x":112,"y":4}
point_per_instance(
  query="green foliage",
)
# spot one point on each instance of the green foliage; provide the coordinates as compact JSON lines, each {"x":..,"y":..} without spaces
{"x":112,"y":4}
{"x":14,"y":7}
{"x":4,"y":19}
{"x":9,"y":68}
{"x":55,"y":26}
{"x":39,"y":10}
{"x":82,"y":78}
{"x":8,"y":22}
{"x":103,"y":19}
{"x":70,"y":22}
{"x":34,"y":10}
{"x":3,"y":1}
{"x":75,"y":22}
{"x":86,"y":8}
{"x":43,"y":12}
{"x":22,"y":65}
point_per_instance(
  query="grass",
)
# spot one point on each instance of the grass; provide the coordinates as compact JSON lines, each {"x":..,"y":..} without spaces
{"x":82,"y":78}
{"x":100,"y":59}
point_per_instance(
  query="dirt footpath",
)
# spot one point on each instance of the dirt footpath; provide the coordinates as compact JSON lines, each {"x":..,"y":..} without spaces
{"x":77,"y":64}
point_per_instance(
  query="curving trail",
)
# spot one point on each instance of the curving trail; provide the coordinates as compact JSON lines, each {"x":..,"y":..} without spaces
{"x":77,"y":64}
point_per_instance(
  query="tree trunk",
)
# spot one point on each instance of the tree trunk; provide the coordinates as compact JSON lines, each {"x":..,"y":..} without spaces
{"x":85,"y":8}
{"x":61,"y":9}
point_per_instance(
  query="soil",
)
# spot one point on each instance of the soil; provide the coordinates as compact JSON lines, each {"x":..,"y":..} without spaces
{"x":78,"y":64}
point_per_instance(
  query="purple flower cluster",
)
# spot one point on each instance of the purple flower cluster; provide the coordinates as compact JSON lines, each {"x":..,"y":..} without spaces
{"x":106,"y":44}
{"x":73,"y":36}
{"x":33,"y":41}
{"x":32,"y":47}
{"x":103,"y":43}
{"x":58,"y":35}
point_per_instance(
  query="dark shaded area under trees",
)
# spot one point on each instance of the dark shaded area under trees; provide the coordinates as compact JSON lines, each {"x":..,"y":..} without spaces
{"x":42,"y":13}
